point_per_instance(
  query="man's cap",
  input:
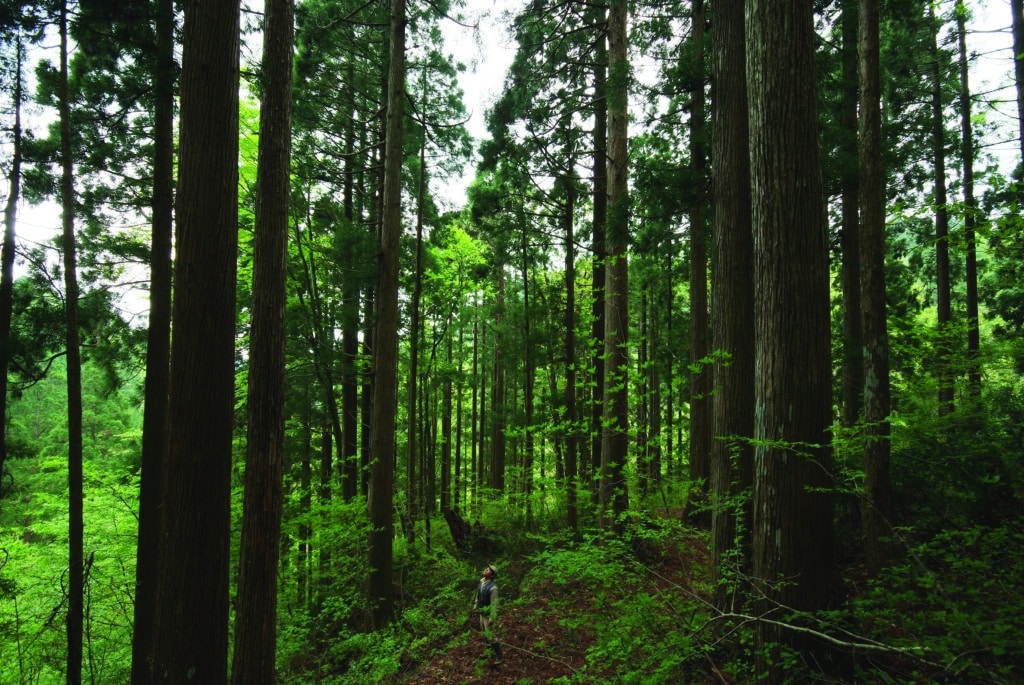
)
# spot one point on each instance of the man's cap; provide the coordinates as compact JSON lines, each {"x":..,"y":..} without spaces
{"x":492,"y":569}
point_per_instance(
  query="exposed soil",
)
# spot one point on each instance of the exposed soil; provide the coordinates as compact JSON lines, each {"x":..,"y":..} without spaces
{"x":538,"y":647}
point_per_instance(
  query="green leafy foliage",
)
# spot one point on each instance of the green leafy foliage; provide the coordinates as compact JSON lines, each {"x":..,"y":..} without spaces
{"x":34,"y":534}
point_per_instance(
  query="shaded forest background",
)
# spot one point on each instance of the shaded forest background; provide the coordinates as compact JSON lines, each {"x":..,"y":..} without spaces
{"x":718,"y":360}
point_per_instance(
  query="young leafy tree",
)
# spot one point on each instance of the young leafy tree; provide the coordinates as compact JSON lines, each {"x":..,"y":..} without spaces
{"x":191,"y":636}
{"x":256,"y":619}
{"x":793,"y":564}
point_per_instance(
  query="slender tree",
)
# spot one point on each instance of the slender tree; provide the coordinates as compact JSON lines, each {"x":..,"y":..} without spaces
{"x":385,"y":341}
{"x":191,"y":636}
{"x":967,"y":153}
{"x":700,"y":372}
{"x":615,"y":431}
{"x":943,"y":292}
{"x":158,"y":343}
{"x":599,"y":253}
{"x":256,"y":618}
{"x":8,"y":247}
{"x":853,"y":354}
{"x":876,"y":507}
{"x":1017,"y":27}
{"x":76,"y":522}
{"x":573,"y":433}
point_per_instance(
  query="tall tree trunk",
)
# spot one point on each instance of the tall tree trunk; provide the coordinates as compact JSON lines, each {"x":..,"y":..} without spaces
{"x":701,"y":372}
{"x":415,"y":334}
{"x":76,"y":522}
{"x":255,"y":644}
{"x":732,"y":302}
{"x":572,"y":442}
{"x":385,"y":359}
{"x":853,"y":338}
{"x":498,"y":441}
{"x":448,"y":492}
{"x":350,"y":326}
{"x":1017,"y":26}
{"x":600,"y":257}
{"x":459,"y":494}
{"x":158,"y":348}
{"x":876,"y":505}
{"x":475,"y":419}
{"x":793,"y":534}
{"x":529,"y":372}
{"x":643,"y":391}
{"x":970,"y":213}
{"x":191,"y":638}
{"x":615,"y":433}
{"x":7,"y":253}
{"x":305,"y":542}
{"x":943,"y":306}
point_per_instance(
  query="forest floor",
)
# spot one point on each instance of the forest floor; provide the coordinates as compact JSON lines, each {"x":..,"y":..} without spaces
{"x":546,"y":632}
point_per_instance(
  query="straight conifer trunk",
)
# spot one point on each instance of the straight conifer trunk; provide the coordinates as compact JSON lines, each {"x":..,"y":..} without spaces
{"x":76,"y":523}
{"x":970,"y":216}
{"x":191,"y":637}
{"x":7,"y":254}
{"x":1017,"y":26}
{"x":385,"y":341}
{"x":158,"y":344}
{"x":732,"y":297}
{"x":255,"y":645}
{"x":876,"y":505}
{"x":943,"y":294}
{"x":701,"y":373}
{"x":793,"y":560}
{"x":615,"y":431}
{"x":853,"y":338}
{"x":599,"y":259}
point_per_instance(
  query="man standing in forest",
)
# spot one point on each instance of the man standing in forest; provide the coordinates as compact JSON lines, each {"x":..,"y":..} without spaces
{"x":485,"y":605}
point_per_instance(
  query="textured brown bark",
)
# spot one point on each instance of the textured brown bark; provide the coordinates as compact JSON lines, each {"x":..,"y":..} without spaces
{"x":350,"y":330}
{"x":76,"y":522}
{"x":793,"y":534}
{"x":732,"y":303}
{"x":943,"y":305}
{"x":592,"y":466}
{"x":853,"y":339}
{"x":701,"y":373}
{"x":876,"y":504}
{"x":615,"y":431}
{"x":191,"y":637}
{"x":255,"y":643}
{"x":498,"y":442}
{"x":7,"y":253}
{"x":385,"y":359}
{"x":1017,"y":26}
{"x":970,"y":217}
{"x":158,"y":348}
{"x":573,"y":434}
